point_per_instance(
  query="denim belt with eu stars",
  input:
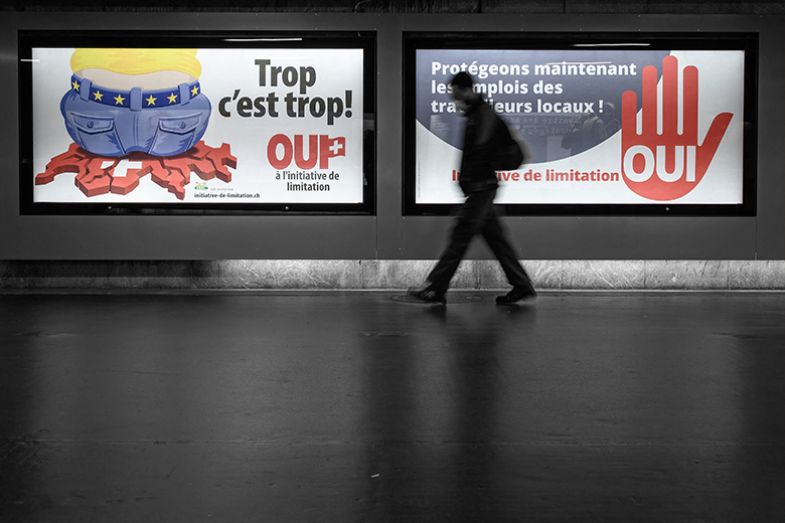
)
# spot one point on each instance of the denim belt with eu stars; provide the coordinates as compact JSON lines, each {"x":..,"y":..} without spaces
{"x":111,"y":122}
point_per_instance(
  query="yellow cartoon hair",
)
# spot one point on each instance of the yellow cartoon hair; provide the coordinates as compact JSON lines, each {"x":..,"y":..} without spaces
{"x":136,"y":61}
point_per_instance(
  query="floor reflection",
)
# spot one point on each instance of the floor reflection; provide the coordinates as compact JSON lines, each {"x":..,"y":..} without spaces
{"x":434,"y":395}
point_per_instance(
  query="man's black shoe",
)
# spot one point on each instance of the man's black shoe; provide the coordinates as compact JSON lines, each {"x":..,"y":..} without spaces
{"x":426,"y":295}
{"x":516,"y":294}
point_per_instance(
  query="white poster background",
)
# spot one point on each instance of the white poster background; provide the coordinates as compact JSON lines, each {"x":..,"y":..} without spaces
{"x":720,"y":89}
{"x":223,"y":71}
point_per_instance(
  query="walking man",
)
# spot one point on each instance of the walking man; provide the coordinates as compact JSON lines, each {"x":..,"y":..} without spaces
{"x":484,"y":139}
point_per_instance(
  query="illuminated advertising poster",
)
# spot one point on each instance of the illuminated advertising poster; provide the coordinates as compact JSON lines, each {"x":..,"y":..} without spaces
{"x":197,"y":126}
{"x":604,"y":126}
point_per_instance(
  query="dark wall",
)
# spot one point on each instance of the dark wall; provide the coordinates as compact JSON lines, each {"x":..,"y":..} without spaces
{"x":416,"y":6}
{"x":389,"y":235}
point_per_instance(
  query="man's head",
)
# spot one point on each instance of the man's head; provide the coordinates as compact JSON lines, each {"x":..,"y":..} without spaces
{"x":462,"y":90}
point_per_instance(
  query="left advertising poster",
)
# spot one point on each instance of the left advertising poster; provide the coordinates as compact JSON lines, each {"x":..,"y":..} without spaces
{"x":219,"y":123}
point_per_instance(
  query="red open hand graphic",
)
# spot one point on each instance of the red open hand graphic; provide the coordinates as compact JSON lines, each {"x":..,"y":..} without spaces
{"x":667,"y":165}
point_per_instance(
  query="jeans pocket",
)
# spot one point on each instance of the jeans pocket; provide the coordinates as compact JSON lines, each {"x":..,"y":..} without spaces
{"x":97,"y":134}
{"x":176,"y":135}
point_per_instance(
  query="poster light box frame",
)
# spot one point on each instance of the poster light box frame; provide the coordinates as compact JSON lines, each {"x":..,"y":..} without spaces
{"x":30,"y":39}
{"x":432,"y":40}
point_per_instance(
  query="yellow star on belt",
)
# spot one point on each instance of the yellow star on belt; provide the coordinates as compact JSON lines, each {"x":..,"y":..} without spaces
{"x":151,"y":100}
{"x":119,"y":99}
{"x":172,"y":98}
{"x":75,"y":85}
{"x":98,"y":95}
{"x":195,"y":91}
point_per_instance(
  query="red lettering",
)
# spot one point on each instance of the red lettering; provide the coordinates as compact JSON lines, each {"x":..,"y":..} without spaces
{"x":320,"y":149}
{"x":272,"y":151}
{"x":313,"y":144}
{"x":330,"y":148}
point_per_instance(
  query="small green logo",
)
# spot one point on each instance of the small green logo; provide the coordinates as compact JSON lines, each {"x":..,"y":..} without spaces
{"x":200,"y":186}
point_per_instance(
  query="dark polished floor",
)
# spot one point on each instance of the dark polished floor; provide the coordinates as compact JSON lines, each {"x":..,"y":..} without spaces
{"x":351,"y":407}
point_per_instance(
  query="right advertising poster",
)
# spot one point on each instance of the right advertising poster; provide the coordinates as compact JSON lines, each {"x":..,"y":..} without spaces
{"x":608,"y":125}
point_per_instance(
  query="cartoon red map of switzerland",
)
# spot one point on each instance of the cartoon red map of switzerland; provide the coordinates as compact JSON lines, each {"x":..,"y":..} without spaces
{"x":140,"y":105}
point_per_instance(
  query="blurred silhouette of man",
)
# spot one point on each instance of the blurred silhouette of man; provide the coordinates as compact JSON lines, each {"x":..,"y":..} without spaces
{"x":484,"y":138}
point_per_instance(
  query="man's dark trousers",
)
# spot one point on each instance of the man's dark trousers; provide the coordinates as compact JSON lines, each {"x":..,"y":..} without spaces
{"x":477,"y":216}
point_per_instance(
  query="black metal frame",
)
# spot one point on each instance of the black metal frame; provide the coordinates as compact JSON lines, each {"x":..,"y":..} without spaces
{"x":748,"y":42}
{"x":365,"y":40}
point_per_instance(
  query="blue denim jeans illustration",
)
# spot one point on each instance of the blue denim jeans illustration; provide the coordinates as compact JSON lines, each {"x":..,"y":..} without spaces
{"x":105,"y":130}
